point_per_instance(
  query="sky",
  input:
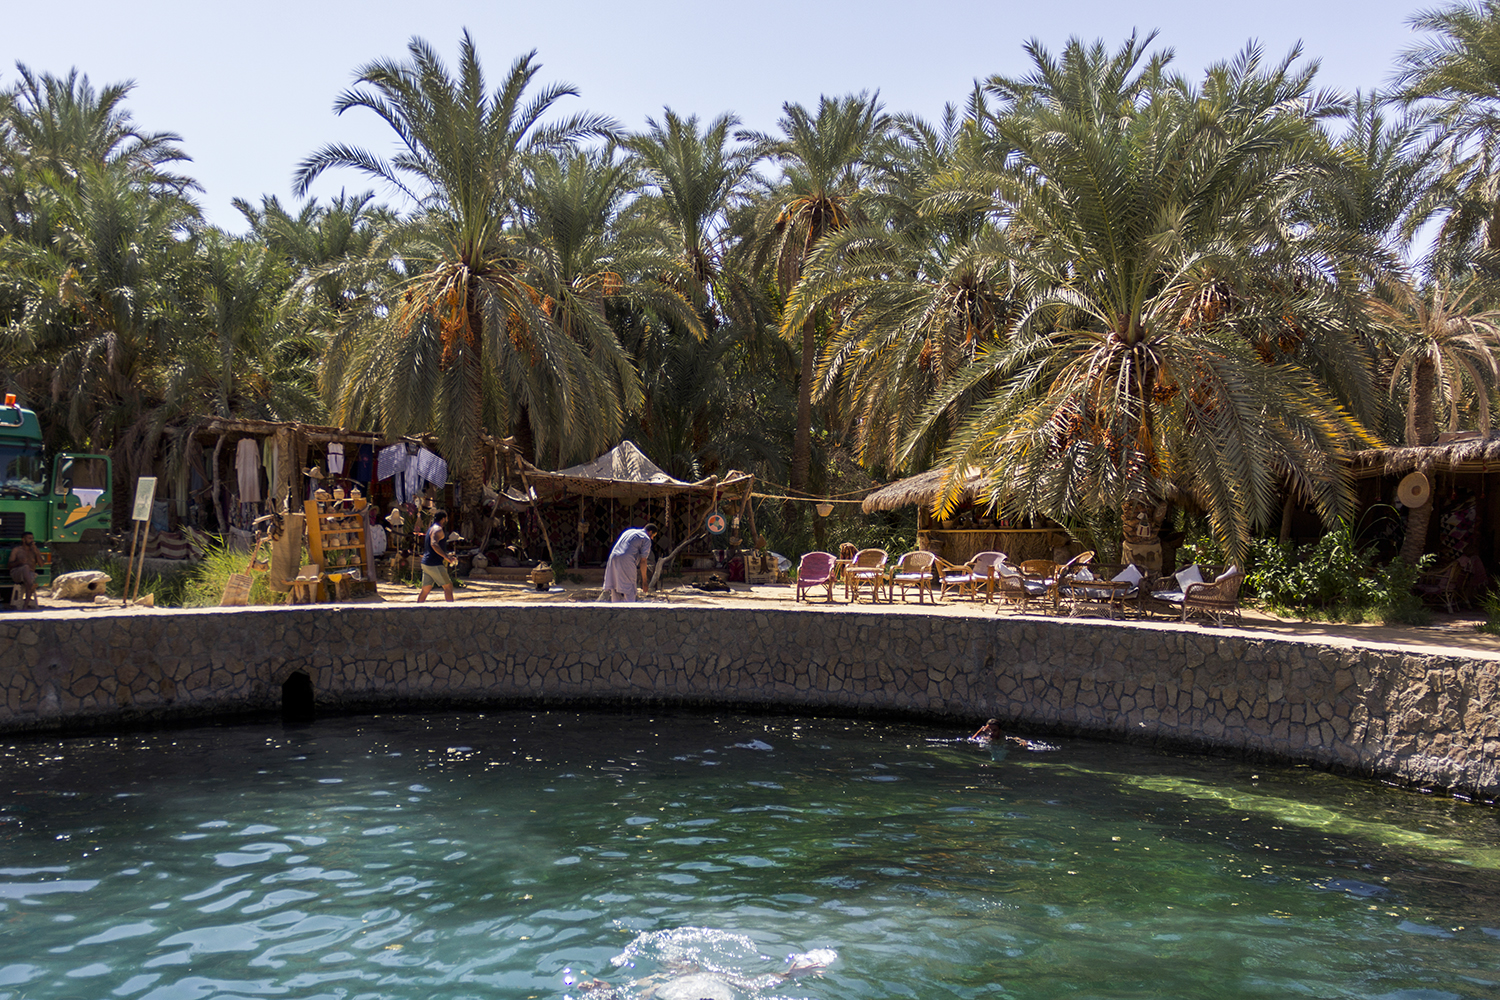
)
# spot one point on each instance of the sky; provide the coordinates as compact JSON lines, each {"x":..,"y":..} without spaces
{"x":250,"y":88}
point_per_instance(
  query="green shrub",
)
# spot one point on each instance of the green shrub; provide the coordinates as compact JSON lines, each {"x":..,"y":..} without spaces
{"x":1335,"y":578}
{"x":1490,"y":605}
{"x":205,"y":585}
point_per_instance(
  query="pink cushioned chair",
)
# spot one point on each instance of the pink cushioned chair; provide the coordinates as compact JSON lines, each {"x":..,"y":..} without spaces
{"x":815,"y":570}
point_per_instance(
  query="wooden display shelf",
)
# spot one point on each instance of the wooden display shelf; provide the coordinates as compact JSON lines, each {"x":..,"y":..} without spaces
{"x":336,"y":542}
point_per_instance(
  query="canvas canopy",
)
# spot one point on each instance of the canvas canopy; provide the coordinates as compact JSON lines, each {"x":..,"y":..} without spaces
{"x":622,"y":473}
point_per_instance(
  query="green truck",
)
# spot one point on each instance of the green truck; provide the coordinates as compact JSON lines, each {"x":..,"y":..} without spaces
{"x":76,"y":497}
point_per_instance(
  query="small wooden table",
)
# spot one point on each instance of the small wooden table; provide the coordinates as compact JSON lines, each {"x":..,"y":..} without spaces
{"x":1103,"y":595}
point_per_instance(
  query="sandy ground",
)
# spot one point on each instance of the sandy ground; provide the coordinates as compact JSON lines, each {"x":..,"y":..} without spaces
{"x":1446,"y":633}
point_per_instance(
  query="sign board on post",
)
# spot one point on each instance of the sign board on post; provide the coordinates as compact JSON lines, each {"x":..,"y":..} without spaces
{"x":140,"y":513}
{"x":145,"y":492}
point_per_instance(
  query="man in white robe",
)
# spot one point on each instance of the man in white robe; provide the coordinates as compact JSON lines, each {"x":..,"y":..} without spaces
{"x":627,"y":562}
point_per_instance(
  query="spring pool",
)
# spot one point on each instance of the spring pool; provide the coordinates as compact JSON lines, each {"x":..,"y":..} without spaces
{"x":672,"y":856}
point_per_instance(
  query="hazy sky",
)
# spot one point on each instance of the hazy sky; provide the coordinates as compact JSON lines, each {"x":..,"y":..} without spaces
{"x":250,"y":88}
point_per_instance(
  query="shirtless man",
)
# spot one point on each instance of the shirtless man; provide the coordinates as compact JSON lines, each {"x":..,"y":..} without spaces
{"x":24,"y":560}
{"x":990,"y":733}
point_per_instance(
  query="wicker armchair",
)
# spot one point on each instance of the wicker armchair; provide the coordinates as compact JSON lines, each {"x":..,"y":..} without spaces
{"x":1440,"y":585}
{"x":867,"y":570}
{"x":913,"y":570}
{"x":1010,"y":588}
{"x":969,"y":577}
{"x":815,"y":570}
{"x":1217,"y":600}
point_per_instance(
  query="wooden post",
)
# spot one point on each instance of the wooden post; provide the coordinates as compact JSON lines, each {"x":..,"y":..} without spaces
{"x":541,"y":521}
{"x":220,"y":514}
{"x":135,"y":543}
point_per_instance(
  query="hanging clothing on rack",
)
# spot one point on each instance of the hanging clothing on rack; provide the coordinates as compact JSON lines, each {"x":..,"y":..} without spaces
{"x":247,"y":469}
{"x":364,"y":464}
{"x":416,"y":466}
{"x":335,"y":459}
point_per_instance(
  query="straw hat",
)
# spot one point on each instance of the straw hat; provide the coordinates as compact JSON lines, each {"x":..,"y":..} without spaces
{"x":1414,"y":490}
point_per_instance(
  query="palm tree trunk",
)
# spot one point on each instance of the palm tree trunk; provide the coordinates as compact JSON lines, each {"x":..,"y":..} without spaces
{"x":1424,"y":420}
{"x":1424,"y":426}
{"x":802,"y":444}
{"x":1415,"y":544}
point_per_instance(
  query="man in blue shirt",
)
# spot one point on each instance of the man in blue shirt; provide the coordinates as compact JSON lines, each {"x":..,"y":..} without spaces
{"x":435,"y":559}
{"x":627,"y":561}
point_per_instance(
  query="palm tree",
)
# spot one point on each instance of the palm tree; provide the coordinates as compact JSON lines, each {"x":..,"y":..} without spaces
{"x":918,"y":292}
{"x":1155,"y":249}
{"x":1446,"y":353}
{"x":465,"y":336}
{"x":60,"y":126}
{"x":826,"y":158}
{"x":337,"y":276}
{"x":691,"y":176}
{"x":1458,"y":72}
{"x":592,"y":266}
{"x":100,"y":267}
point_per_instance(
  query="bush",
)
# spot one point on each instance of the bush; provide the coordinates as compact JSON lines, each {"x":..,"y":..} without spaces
{"x":1490,"y":605}
{"x":195,"y":585}
{"x":205,"y":585}
{"x":1335,"y":578}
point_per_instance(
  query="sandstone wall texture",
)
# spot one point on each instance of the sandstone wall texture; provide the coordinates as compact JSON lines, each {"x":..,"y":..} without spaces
{"x":1425,"y":718}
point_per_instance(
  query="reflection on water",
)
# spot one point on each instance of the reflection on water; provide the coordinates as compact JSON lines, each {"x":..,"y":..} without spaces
{"x":590,"y":856}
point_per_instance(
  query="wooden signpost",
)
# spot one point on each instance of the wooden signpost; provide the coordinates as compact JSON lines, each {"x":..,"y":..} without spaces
{"x":145,"y":493}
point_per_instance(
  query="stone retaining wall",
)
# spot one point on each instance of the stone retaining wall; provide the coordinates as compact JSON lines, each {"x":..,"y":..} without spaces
{"x":1423,"y":718}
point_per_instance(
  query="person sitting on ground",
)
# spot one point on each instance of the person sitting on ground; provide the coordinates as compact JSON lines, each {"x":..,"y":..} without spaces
{"x":436,"y":559}
{"x":24,"y":560}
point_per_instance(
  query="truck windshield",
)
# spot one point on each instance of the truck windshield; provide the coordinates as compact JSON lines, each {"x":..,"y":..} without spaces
{"x":22,"y":470}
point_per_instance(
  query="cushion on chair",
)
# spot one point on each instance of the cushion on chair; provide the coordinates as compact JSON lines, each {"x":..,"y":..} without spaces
{"x":1190,"y":575}
{"x":1130,"y":574}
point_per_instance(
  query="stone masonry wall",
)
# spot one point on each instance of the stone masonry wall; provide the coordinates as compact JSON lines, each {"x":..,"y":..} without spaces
{"x":1418,"y":717}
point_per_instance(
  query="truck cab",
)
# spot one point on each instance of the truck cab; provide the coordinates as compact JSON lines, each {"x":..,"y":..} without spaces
{"x":57,"y":500}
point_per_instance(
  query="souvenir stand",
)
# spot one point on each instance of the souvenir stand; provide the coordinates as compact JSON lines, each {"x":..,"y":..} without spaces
{"x":338,"y":543}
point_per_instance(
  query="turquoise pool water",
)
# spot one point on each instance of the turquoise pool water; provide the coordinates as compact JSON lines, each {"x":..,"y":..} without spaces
{"x":551,"y":855}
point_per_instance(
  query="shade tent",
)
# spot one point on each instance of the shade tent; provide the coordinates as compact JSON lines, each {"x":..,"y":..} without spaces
{"x":629,"y":489}
{"x":624,"y":473}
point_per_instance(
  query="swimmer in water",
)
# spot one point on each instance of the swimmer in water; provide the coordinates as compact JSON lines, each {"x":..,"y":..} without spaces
{"x":688,"y":982}
{"x":990,"y":734}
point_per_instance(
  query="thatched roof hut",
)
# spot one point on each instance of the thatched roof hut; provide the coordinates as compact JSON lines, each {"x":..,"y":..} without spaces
{"x":971,"y":530}
{"x":1455,"y":452}
{"x":921,"y":489}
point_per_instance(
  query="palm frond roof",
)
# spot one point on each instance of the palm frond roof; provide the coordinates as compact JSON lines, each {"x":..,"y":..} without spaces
{"x":1463,"y":451}
{"x":923,"y":489}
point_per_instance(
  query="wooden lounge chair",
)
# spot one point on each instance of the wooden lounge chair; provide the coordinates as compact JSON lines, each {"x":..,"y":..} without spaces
{"x":815,"y":570}
{"x":913,"y":570}
{"x":867,"y":570}
{"x":969,"y":577}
